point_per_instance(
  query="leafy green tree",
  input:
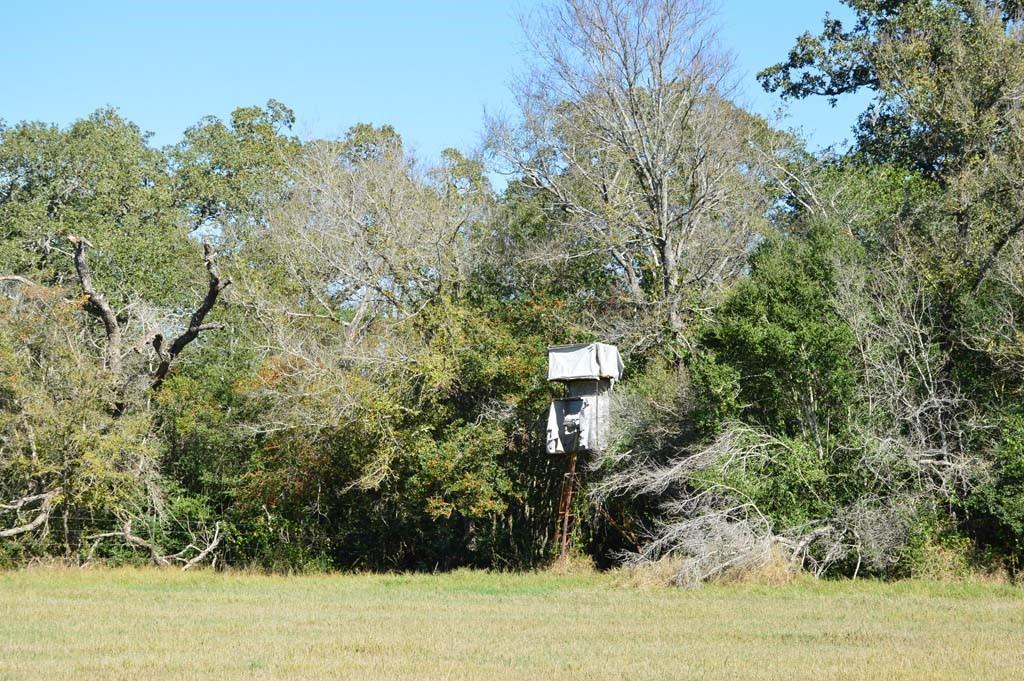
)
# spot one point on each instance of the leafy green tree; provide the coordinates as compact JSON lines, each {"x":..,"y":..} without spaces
{"x":98,"y":180}
{"x":780,"y":331}
{"x":106,"y":290}
{"x":944,"y":75}
{"x":234,"y":172}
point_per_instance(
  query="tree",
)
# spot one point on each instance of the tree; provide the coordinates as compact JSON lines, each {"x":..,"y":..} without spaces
{"x":77,"y":427}
{"x":97,"y":179}
{"x":937,"y":316}
{"x":232,"y":174}
{"x":101,"y":294}
{"x":946,"y":76}
{"x":384,"y":406}
{"x":627,"y":132}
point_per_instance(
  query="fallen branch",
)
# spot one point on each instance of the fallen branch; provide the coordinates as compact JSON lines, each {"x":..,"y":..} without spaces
{"x":18,"y":278}
{"x":43,"y":515}
{"x":201,"y":556}
{"x":798,"y":548}
{"x":135,"y":540}
{"x":156,"y":553}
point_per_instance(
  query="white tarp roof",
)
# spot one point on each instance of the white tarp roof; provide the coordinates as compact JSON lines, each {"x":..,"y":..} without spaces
{"x":591,"y":360}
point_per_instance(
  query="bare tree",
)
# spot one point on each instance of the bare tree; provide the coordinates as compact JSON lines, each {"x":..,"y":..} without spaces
{"x":626,"y":127}
{"x":98,"y":306}
{"x":914,"y":412}
{"x":368,"y":239}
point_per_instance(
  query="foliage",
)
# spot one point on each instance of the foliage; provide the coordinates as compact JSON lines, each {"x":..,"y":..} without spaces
{"x":825,"y":352}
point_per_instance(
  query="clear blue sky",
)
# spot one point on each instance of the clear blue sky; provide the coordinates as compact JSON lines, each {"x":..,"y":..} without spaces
{"x":429,"y":68}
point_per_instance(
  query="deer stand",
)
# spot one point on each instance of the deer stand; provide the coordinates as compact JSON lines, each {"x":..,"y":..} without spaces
{"x":579,"y":421}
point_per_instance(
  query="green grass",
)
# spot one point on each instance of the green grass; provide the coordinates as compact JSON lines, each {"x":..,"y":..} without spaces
{"x":97,"y":624}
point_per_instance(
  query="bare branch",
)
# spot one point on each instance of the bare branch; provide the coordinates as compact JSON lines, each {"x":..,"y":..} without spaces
{"x":156,"y":553}
{"x":18,"y":278}
{"x":41,"y":517}
{"x":196,"y":325}
{"x":98,"y":305}
{"x":201,"y":556}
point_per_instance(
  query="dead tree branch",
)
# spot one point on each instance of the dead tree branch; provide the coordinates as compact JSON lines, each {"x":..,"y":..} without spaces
{"x":201,"y":556}
{"x":41,"y":517}
{"x":196,"y":324}
{"x":18,"y":278}
{"x":156,"y":553}
{"x":98,"y":306}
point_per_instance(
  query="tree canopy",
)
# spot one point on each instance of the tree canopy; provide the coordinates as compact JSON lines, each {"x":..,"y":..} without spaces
{"x":252,"y":349}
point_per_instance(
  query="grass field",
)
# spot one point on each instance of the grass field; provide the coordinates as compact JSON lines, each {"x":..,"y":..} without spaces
{"x":154,"y":624}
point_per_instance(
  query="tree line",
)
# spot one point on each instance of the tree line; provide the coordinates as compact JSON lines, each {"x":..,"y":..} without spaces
{"x":254,"y":350}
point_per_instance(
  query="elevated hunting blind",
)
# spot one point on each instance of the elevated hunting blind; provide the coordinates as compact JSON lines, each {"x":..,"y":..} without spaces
{"x":579,"y":422}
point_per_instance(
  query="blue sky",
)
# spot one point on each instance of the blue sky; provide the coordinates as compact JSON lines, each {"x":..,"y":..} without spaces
{"x":429,"y":68}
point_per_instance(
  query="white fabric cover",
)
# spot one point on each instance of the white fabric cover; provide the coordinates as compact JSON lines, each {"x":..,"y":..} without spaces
{"x":580,"y":422}
{"x":559,"y":439}
{"x":590,"y":361}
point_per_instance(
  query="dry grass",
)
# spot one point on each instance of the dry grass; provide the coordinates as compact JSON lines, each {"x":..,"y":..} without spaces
{"x":658,"y":574}
{"x":573,"y":566}
{"x":776,"y":572}
{"x":133,"y":624}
